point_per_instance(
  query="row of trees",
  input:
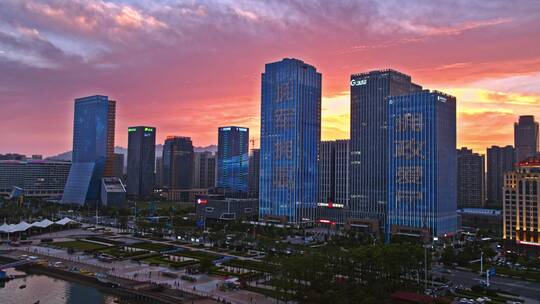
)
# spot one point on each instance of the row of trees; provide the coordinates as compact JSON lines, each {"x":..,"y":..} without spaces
{"x":363,"y":274}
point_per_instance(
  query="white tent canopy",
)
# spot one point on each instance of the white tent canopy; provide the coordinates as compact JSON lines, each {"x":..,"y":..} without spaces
{"x":43,"y":224}
{"x":23,"y":226}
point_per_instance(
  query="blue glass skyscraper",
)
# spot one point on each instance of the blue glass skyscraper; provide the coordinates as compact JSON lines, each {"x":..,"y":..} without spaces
{"x":422,"y":162}
{"x":290,"y":135}
{"x":233,"y":160}
{"x":93,"y":149}
{"x":368,"y":160}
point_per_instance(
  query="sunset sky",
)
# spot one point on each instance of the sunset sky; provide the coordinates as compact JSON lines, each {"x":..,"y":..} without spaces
{"x":187,"y":67}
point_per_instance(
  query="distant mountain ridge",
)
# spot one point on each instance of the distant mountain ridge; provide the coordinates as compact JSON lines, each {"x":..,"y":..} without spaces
{"x":66,"y":156}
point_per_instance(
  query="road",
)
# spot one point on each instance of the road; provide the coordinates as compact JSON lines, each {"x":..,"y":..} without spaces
{"x":526,"y":289}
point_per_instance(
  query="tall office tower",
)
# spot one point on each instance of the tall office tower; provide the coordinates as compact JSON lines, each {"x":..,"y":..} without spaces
{"x":525,"y":137}
{"x":204,"y":170}
{"x":470,"y":179}
{"x":93,"y":149}
{"x":499,"y":161}
{"x":333,"y":187}
{"x":369,"y":150}
{"x":141,"y":161}
{"x":290,"y":135}
{"x":521,"y":203}
{"x":178,"y":163}
{"x":254,"y":169}
{"x":233,"y":160}
{"x":119,"y":165}
{"x":159,"y":172}
{"x":422,"y":164}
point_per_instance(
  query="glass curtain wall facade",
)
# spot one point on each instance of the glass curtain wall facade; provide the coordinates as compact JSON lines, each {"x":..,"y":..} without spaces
{"x":290,"y":136}
{"x":233,"y":160}
{"x":422,"y":162}
{"x":369,"y":150}
{"x":141,"y":161}
{"x":93,"y":149}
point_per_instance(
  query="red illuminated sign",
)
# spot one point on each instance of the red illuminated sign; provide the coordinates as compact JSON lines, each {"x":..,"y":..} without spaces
{"x":531,"y":161}
{"x":202,"y":201}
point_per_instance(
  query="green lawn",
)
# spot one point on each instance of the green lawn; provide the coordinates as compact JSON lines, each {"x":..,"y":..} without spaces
{"x":121,"y":254}
{"x":163,"y":261}
{"x":258,"y":266}
{"x":199,"y":255}
{"x":152,"y":246}
{"x":79,"y":245}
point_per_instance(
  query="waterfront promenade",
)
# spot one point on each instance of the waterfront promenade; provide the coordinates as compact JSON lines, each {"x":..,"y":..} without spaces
{"x":129,"y":273}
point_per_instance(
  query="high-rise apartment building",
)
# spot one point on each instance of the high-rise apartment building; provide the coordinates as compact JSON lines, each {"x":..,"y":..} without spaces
{"x":525,"y":137}
{"x":233,"y":160}
{"x":470,"y":179}
{"x":522,"y":203}
{"x":159,"y":172}
{"x":368,"y":182}
{"x":499,"y":161}
{"x":141,"y":161}
{"x":290,"y":136}
{"x":254,"y":169}
{"x":422,"y":164}
{"x":93,"y":149}
{"x":204,"y":170}
{"x":178,"y":163}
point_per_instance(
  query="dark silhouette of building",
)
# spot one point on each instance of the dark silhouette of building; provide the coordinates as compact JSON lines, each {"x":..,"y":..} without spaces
{"x":119,"y":165}
{"x":499,"y":161}
{"x":470,"y":179}
{"x":333,"y":187}
{"x":525,"y":137}
{"x":204,"y":170}
{"x":12,"y":156}
{"x":159,"y":172}
{"x":254,"y":169}
{"x":141,"y":161}
{"x":178,"y":166}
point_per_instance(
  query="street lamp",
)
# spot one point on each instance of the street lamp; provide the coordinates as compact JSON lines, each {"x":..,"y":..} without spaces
{"x":481,"y":261}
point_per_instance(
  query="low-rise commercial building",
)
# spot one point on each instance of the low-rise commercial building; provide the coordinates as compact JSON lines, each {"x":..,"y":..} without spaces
{"x":490,"y":220}
{"x":217,"y":207}
{"x":36,"y":178}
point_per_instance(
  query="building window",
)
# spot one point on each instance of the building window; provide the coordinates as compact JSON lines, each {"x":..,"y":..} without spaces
{"x":248,"y":210}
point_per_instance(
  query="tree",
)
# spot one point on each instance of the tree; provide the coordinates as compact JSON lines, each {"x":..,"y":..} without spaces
{"x":448,"y":256}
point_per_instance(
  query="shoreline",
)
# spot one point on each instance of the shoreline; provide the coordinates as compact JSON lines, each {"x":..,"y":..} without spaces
{"x":125,"y":294}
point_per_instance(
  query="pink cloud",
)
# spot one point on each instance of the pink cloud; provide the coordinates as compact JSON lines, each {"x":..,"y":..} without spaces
{"x":188,"y":68}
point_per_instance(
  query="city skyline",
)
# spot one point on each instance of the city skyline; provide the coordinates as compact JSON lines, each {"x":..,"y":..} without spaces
{"x":492,"y":80}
